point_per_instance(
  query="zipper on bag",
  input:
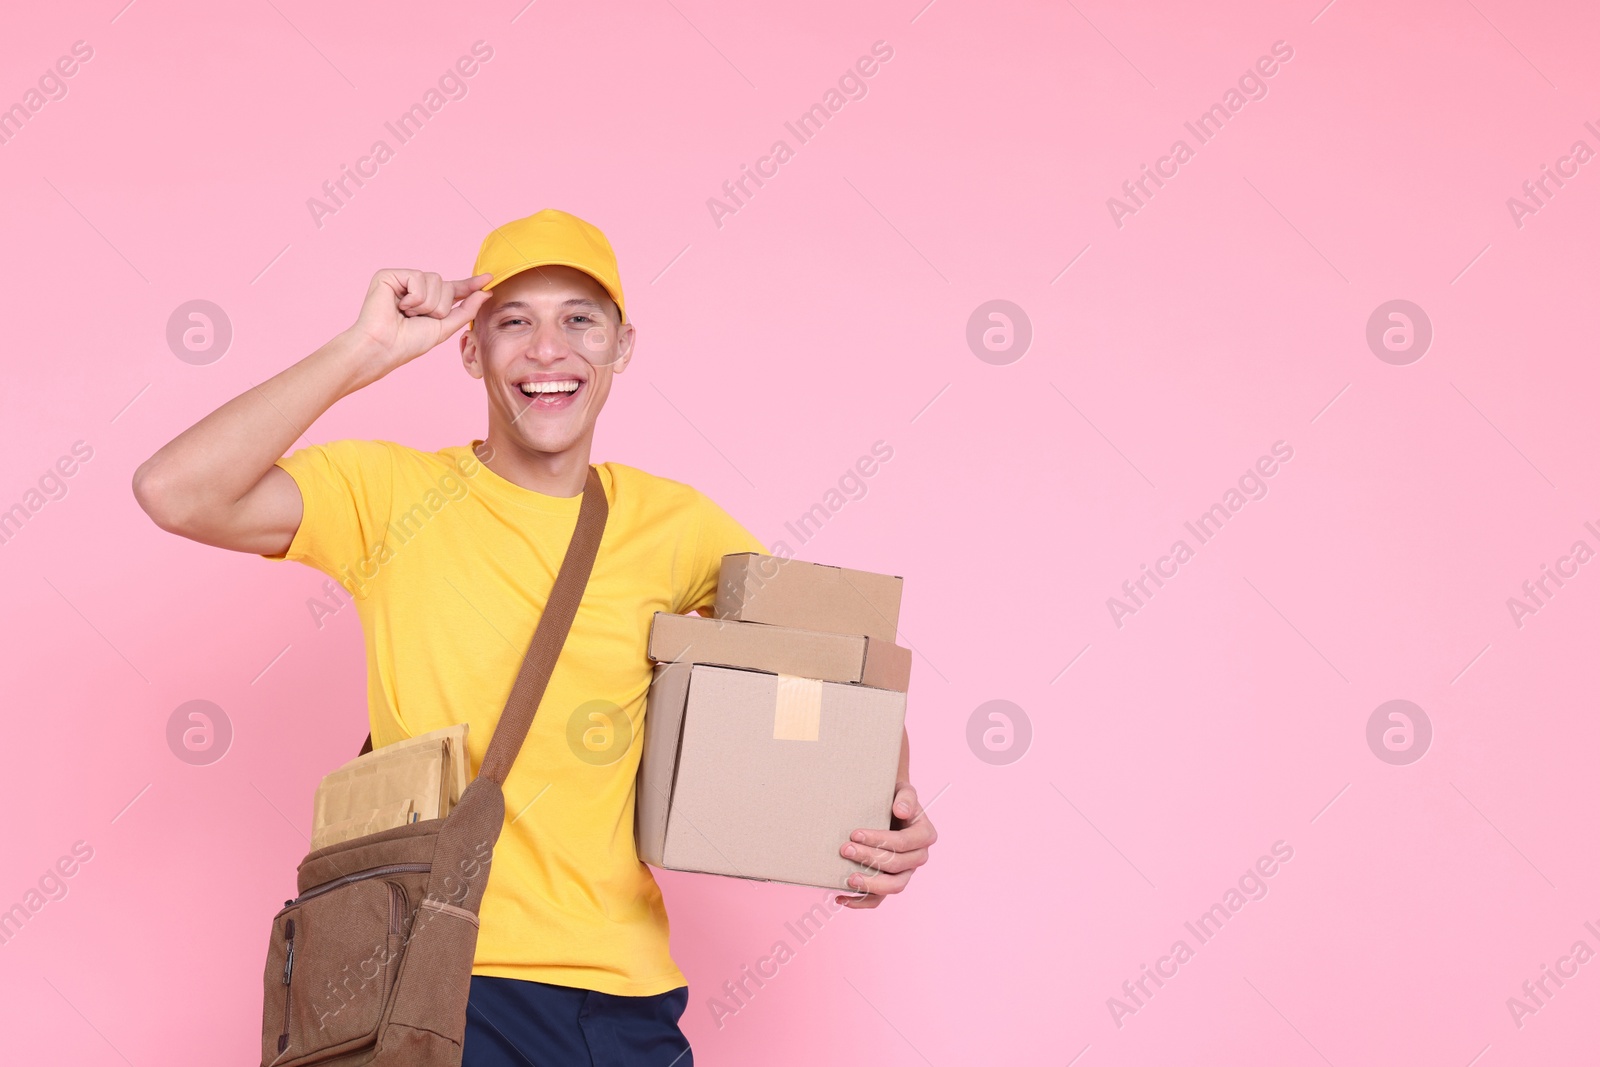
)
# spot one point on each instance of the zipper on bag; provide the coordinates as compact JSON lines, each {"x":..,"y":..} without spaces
{"x":370,"y":872}
{"x":288,"y":972}
{"x":397,"y":908}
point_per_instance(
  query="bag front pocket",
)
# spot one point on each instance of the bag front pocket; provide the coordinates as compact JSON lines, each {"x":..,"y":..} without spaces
{"x":331,"y":966}
{"x":430,"y":1007}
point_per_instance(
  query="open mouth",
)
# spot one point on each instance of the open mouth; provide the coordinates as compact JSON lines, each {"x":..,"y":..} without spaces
{"x":550,"y":395}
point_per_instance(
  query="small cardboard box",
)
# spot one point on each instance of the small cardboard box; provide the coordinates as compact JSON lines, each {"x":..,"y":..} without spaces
{"x":753,"y":587}
{"x":753,"y":775}
{"x":830,"y":657}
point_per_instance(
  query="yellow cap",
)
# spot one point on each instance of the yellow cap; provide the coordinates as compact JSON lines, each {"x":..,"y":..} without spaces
{"x":550,"y":238}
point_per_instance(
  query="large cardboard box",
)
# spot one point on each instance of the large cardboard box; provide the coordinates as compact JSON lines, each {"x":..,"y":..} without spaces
{"x":830,"y":657}
{"x":754,"y":587}
{"x":755,"y":775}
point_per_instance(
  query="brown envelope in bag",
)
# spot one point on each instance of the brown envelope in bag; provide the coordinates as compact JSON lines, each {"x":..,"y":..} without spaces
{"x":456,"y":773}
{"x":395,"y":814}
{"x":418,"y":778}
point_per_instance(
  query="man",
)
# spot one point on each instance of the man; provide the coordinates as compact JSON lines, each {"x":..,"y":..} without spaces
{"x":449,"y":556}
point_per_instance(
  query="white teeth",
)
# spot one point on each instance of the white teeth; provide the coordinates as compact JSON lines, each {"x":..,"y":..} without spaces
{"x":535,"y":388}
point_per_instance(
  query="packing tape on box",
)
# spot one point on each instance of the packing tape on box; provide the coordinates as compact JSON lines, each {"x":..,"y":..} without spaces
{"x":798,"y":716}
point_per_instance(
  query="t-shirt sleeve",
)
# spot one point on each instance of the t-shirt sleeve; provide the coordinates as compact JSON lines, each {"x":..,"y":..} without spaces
{"x":346,"y":488}
{"x":719,"y":534}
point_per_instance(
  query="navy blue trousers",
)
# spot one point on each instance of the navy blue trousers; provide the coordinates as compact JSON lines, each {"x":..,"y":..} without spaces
{"x":513,"y":1023}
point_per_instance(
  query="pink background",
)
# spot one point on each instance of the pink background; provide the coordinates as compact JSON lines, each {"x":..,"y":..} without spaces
{"x":827,"y":314}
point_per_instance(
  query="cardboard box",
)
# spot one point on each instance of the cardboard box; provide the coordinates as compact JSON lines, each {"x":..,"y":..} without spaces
{"x":737,"y":781}
{"x":753,"y":587}
{"x":830,"y":657}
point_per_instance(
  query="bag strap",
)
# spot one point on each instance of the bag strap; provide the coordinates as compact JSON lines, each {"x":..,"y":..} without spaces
{"x":548,"y":636}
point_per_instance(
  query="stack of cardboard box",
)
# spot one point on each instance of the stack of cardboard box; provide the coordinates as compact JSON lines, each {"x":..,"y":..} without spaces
{"x":773,"y":729}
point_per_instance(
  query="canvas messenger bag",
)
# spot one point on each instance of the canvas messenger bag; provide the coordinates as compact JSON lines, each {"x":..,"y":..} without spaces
{"x":371,"y":963}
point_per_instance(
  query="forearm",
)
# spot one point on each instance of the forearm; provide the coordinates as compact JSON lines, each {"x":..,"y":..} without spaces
{"x":215,"y":462}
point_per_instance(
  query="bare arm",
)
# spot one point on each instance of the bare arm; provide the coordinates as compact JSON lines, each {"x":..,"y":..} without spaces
{"x":216,"y":482}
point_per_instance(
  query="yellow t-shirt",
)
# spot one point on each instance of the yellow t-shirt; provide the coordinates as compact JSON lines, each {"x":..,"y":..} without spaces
{"x":450,"y":565}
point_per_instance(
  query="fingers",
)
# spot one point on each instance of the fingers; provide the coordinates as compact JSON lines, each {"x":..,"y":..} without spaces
{"x":418,"y":292}
{"x":433,"y":296}
{"x":464,"y":313}
{"x":918,"y":835}
{"x":890,"y":856}
{"x":460,"y":290}
{"x":888,"y":871}
{"x":880,"y":859}
{"x":879,"y":884}
{"x":413,"y":290}
{"x":905,"y":803}
{"x":427,"y":293}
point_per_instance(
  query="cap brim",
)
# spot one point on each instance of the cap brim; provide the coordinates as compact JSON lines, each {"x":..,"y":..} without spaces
{"x":562,"y":263}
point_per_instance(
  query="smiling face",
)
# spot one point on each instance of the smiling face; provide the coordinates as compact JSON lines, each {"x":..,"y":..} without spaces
{"x":546,"y":345}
